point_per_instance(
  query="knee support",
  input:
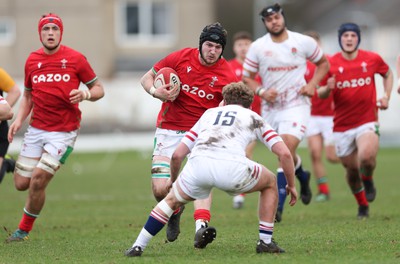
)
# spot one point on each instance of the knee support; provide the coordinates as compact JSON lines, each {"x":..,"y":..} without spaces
{"x":25,"y":166}
{"x":160,"y":169}
{"x":177,"y":194}
{"x":48,"y":163}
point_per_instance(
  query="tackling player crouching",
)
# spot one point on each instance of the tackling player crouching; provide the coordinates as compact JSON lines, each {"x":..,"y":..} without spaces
{"x":212,"y":148}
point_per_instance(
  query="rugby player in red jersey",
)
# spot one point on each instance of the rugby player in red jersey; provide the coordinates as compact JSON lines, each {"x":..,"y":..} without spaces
{"x":51,"y":97}
{"x":203,"y":73}
{"x":356,"y":127}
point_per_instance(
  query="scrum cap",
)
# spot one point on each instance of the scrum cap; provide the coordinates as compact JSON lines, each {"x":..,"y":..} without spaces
{"x":50,"y":18}
{"x":270,"y":10}
{"x":214,"y":33}
{"x":349,"y":27}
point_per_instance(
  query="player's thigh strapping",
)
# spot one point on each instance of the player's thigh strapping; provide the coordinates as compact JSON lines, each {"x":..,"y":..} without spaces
{"x":44,"y":149}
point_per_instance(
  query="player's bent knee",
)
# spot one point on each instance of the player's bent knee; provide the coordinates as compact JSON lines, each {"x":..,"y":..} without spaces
{"x":158,"y":188}
{"x":24,"y":166}
{"x":48,"y":163}
{"x":21,"y":183}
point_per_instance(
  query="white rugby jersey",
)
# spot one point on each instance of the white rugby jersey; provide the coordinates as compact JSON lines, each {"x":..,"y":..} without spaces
{"x":282,"y":66}
{"x":224,"y":132}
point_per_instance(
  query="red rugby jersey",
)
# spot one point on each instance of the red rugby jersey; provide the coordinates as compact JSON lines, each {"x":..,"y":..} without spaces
{"x":50,"y":78}
{"x":201,"y":88}
{"x":319,"y":107}
{"x":354,"y":94}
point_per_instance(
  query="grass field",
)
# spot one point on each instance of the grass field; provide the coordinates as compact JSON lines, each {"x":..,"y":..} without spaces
{"x":97,"y":204}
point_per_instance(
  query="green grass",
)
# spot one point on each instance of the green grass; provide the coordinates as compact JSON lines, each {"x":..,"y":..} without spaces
{"x":97,"y":204}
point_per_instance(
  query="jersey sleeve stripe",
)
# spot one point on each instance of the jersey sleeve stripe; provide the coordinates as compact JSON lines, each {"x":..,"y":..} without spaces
{"x":268,"y":132}
{"x":271,"y":137}
{"x":315,"y":54}
{"x":190,"y":138}
{"x":251,"y":63}
{"x":91,"y":81}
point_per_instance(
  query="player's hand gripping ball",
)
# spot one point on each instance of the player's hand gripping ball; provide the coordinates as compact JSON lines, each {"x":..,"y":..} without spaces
{"x":168,"y":75}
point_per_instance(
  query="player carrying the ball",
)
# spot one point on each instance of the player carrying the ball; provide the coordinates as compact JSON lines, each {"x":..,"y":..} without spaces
{"x":203,"y":73}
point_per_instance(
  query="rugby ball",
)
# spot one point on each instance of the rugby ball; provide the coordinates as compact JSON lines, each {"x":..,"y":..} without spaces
{"x":167,"y":75}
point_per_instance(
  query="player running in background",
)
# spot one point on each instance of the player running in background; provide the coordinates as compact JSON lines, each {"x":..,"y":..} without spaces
{"x":356,"y":127}
{"x":203,"y":73}
{"x":217,"y":159}
{"x":51,"y":97}
{"x":7,"y":85}
{"x":320,"y":131}
{"x":279,"y":57}
{"x":241,"y":43}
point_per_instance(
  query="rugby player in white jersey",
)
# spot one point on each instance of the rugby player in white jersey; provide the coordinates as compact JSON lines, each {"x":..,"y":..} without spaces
{"x":280,"y":57}
{"x":217,"y":144}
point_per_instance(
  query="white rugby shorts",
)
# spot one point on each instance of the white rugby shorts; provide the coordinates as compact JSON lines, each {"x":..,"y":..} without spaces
{"x":57,"y":144}
{"x":292,"y":121}
{"x":321,"y":125}
{"x":345,"y":142}
{"x":202,"y":173}
{"x":166,"y":141}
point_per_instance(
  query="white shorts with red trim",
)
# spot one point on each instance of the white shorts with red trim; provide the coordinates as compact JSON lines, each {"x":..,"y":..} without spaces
{"x":291,"y":121}
{"x":202,"y":173}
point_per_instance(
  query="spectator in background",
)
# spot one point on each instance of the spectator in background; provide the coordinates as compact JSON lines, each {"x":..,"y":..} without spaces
{"x":223,"y":164}
{"x":203,"y":73}
{"x":356,"y":127}
{"x":320,"y":131}
{"x":279,"y":57}
{"x":241,"y":43}
{"x":7,"y":85}
{"x":53,"y":74}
